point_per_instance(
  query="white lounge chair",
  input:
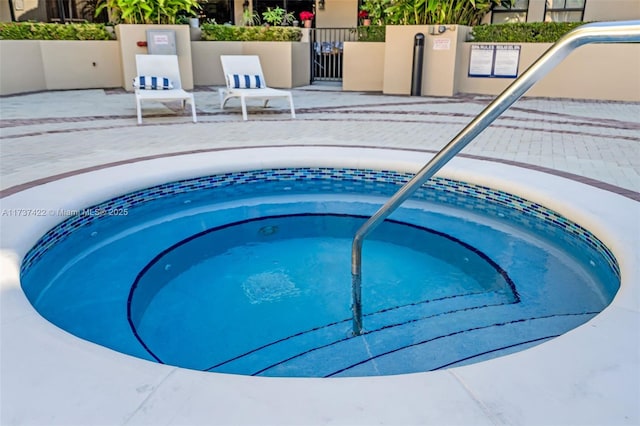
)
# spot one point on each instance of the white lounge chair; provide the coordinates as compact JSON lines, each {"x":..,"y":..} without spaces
{"x":245,"y":79}
{"x":161,"y":82}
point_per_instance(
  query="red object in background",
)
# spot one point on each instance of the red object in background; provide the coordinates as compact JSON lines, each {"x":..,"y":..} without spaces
{"x":142,"y":44}
{"x":306,"y":16}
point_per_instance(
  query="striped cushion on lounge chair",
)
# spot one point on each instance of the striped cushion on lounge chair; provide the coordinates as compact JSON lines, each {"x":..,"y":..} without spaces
{"x":244,"y":81}
{"x":152,"y":83}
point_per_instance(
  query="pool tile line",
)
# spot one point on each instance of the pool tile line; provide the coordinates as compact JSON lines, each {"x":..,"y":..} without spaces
{"x":455,"y":333}
{"x":515,"y":345}
{"x":449,"y":190}
{"x":377,"y":330}
{"x":344,"y":321}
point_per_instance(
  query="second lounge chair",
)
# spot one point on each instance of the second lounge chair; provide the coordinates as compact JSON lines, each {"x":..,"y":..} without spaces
{"x":245,"y":79}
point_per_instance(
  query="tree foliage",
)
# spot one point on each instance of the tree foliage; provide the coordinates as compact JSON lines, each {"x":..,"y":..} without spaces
{"x":430,"y":12}
{"x":147,"y":11}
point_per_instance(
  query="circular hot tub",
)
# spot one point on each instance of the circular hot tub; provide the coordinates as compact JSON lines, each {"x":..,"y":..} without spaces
{"x":248,"y":272}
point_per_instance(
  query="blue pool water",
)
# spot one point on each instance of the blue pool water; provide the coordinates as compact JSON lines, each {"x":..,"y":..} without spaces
{"x":249,"y":273}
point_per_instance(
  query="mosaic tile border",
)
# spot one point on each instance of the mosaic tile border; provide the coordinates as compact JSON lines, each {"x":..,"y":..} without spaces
{"x":436,"y":189}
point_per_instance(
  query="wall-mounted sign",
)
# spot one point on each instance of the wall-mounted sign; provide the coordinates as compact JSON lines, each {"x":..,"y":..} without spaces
{"x":161,"y":42}
{"x":160,"y":39}
{"x":441,"y":44}
{"x":494,"y":61}
{"x":481,"y":61}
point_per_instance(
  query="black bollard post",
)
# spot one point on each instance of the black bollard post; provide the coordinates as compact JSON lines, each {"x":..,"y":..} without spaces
{"x":416,"y":73}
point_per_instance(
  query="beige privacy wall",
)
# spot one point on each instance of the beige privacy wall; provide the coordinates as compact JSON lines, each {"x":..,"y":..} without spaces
{"x":441,"y":49}
{"x":83,"y":65}
{"x":21,"y":68}
{"x":336,"y":14}
{"x":35,"y":65}
{"x":285,"y":64}
{"x":597,"y":71}
{"x":363,"y":66}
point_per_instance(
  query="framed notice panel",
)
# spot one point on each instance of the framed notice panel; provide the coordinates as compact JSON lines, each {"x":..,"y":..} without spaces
{"x":481,"y":61}
{"x":505,"y":61}
{"x":494,"y":61}
{"x":161,"y":42}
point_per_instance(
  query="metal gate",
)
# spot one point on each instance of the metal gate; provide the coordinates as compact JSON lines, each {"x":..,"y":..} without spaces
{"x":326,"y":52}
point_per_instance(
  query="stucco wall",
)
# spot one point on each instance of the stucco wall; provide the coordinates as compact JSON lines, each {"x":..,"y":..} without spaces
{"x":363,"y":66}
{"x":30,"y":66}
{"x":5,"y":12}
{"x":277,"y":60}
{"x":604,"y":71}
{"x":300,"y":65}
{"x":337,"y":14}
{"x":612,"y":10}
{"x":439,"y":58}
{"x":595,"y":10}
{"x":207,"y":70}
{"x":599,"y":71}
{"x":398,"y":58}
{"x":81,"y":65}
{"x":285,"y":64}
{"x":21,"y":68}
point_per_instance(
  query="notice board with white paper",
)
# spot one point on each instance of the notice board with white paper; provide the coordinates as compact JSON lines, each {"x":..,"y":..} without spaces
{"x":488,"y":60}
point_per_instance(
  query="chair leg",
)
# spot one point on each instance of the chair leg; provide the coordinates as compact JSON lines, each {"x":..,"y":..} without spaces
{"x":223,"y":101}
{"x":193,"y":110}
{"x":244,"y":108}
{"x":139,"y":110}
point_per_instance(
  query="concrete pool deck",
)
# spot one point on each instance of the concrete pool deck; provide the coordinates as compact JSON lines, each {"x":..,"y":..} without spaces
{"x":581,"y":158}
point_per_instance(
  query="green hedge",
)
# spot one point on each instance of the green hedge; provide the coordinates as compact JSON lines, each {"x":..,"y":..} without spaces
{"x":531,"y":32}
{"x":42,"y":31}
{"x":215,"y":32}
{"x":371,"y":33}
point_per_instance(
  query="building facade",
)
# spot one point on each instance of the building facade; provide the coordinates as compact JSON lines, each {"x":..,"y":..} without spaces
{"x":330,"y":13}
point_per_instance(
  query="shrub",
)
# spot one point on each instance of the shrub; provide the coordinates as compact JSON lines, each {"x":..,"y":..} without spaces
{"x":215,"y":32}
{"x":520,"y":32}
{"x":45,"y":31}
{"x":371,"y":33}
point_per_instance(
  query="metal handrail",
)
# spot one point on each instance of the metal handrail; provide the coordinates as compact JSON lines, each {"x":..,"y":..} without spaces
{"x":600,"y":32}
